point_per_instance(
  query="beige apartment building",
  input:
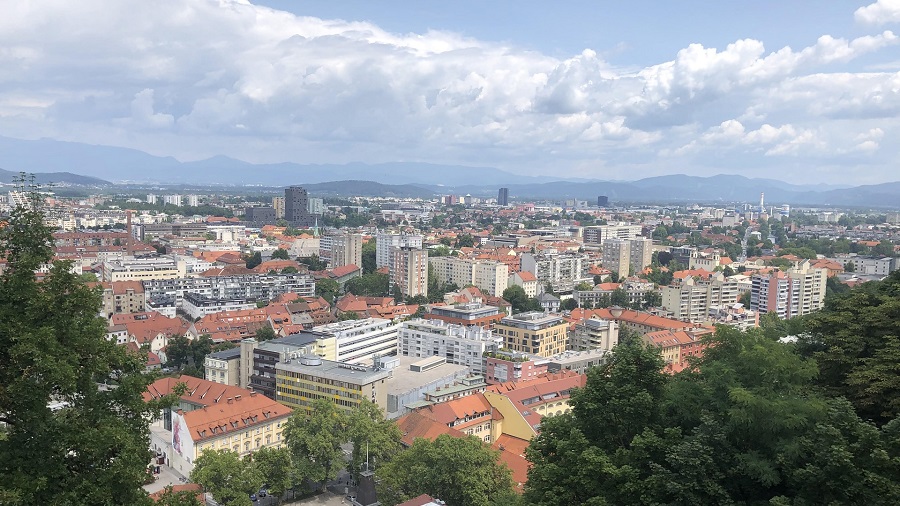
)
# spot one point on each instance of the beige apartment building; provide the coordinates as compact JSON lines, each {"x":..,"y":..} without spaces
{"x":692,"y":298}
{"x":534,"y":332}
{"x":489,"y":276}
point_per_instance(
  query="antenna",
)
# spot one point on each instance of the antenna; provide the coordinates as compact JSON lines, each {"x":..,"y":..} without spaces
{"x":367,"y":455}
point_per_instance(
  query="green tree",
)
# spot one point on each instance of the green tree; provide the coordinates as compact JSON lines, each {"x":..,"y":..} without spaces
{"x":265,"y":333}
{"x":53,"y":349}
{"x":277,"y":469}
{"x":371,"y":435}
{"x":369,"y":263}
{"x":227,"y":477}
{"x":519,"y":300}
{"x":315,"y":440}
{"x":178,"y":352}
{"x":314,"y":263}
{"x":280,"y":254}
{"x":584,"y":286}
{"x":619,"y":297}
{"x":569,"y":304}
{"x":289,"y":270}
{"x":850,"y":266}
{"x":855,"y":340}
{"x":348,"y":315}
{"x":170,"y":497}
{"x":884,"y":248}
{"x":465,"y":241}
{"x":252,"y":261}
{"x":461,"y":471}
{"x":374,"y":285}
{"x":327,"y":289}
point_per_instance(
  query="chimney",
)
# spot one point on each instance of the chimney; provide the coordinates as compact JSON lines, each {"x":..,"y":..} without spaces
{"x":230,"y":400}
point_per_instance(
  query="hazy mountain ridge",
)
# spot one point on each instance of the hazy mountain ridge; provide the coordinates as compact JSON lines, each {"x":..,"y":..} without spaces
{"x":100,"y":164}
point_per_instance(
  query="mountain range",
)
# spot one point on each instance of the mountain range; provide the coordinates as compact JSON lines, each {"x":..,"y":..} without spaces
{"x":93,"y":165}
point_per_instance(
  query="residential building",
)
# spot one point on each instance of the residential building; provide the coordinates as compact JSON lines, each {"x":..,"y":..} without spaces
{"x":691,"y":299}
{"x":213,"y":416}
{"x":340,"y":249}
{"x":123,"y":297}
{"x":504,"y":365}
{"x":597,"y":235}
{"x":640,"y":253}
{"x":677,"y":346}
{"x":593,"y":334}
{"x":797,"y":292}
{"x":634,"y":321}
{"x":704,"y":260}
{"x":384,"y":241}
{"x":455,"y":343}
{"x":616,"y":256}
{"x":141,"y":269}
{"x":302,"y":381}
{"x":562,"y":270}
{"x":265,"y":356}
{"x":193,"y":200}
{"x":263,"y":215}
{"x":526,"y":280}
{"x":408,"y":271}
{"x":576,"y":361}
{"x":356,"y":341}
{"x":470,"y":313}
{"x":224,"y":367}
{"x":278,"y":205}
{"x":488,"y":275}
{"x":196,"y":305}
{"x":245,"y":286}
{"x":174,"y":200}
{"x":534,"y":332}
{"x":413,"y":380}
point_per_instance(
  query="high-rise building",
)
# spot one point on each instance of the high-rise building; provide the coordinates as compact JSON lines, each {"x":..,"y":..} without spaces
{"x":384,"y":241}
{"x":152,"y":199}
{"x":602,"y":201}
{"x":174,"y":200}
{"x":193,"y":200}
{"x":490,"y":276}
{"x":408,"y":270}
{"x":278,"y":204}
{"x":503,"y":197}
{"x":692,"y":299}
{"x":341,"y":248}
{"x":296,"y":207}
{"x":315,"y":206}
{"x":617,"y":256}
{"x":641,"y":253}
{"x":799,"y":291}
{"x":459,"y":344}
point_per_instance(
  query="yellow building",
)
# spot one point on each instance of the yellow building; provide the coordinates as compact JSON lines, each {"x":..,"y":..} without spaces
{"x":534,"y":332}
{"x":211,"y":415}
{"x":300,"y":382}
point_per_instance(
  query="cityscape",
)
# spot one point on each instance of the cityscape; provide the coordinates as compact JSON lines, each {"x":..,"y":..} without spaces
{"x":201,"y":316}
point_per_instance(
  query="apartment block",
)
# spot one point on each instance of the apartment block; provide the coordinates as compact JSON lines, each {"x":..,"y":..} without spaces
{"x":456,"y":343}
{"x":471,"y":313}
{"x":340,"y":249}
{"x":534,"y":332}
{"x":562,"y":270}
{"x":490,"y":276}
{"x":250,"y":286}
{"x":598,"y":234}
{"x":797,"y":292}
{"x":384,"y":241}
{"x":123,"y":297}
{"x":616,"y":256}
{"x":593,"y":334}
{"x":408,"y":270}
{"x":693,"y":297}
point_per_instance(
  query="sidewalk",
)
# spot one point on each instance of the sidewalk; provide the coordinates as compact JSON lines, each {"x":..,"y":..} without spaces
{"x":167,"y":476}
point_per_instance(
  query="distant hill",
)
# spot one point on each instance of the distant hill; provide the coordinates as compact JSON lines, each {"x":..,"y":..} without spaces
{"x":46,"y":178}
{"x":100,"y":164}
{"x":368,"y":189}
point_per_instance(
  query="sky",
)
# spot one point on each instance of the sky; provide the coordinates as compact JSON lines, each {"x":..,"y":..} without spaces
{"x":801,"y":91}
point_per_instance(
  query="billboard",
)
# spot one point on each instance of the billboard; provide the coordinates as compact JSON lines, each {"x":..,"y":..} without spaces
{"x":182,"y":442}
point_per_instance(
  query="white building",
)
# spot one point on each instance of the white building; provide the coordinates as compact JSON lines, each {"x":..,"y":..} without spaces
{"x":408,"y":270}
{"x":692,"y":298}
{"x":384,"y":241}
{"x":491,"y":277}
{"x":356,"y":341}
{"x":174,"y":200}
{"x":458,"y":344}
{"x":563,"y":270}
{"x":193,"y":200}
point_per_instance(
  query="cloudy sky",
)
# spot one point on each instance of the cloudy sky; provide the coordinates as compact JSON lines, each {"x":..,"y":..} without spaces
{"x":802,"y":91}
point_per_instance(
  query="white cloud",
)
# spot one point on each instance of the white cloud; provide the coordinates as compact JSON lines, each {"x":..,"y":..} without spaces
{"x":879,"y":13}
{"x":194,"y":78}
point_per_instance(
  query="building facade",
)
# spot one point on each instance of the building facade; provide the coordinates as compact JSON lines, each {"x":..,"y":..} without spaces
{"x":534,"y":332}
{"x":490,"y":276}
{"x":384,"y":241}
{"x":408,"y":271}
{"x":302,"y":381}
{"x":456,"y":343}
{"x":356,"y":341}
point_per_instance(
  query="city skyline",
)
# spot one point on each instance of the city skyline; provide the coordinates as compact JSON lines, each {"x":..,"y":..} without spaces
{"x":618,"y":94}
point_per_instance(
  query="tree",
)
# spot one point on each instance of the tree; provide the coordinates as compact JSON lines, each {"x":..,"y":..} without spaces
{"x":619,"y":297}
{"x":745,"y":299}
{"x":289,"y":270}
{"x":569,"y":304}
{"x":854,"y":340}
{"x":277,"y":469}
{"x":465,"y":241}
{"x":253,"y":261}
{"x":372,"y":436}
{"x":169,"y":497}
{"x":348,"y":315}
{"x":315,"y":440}
{"x":265,"y":333}
{"x":178,"y":352}
{"x":327,"y":288}
{"x":313,"y":262}
{"x":280,"y":254}
{"x":884,"y":248}
{"x":369,"y":263}
{"x":461,"y":471}
{"x":226,"y":476}
{"x":520,"y":302}
{"x":744,"y":425}
{"x":53,"y":349}
{"x":374,"y":285}
{"x":584,"y":286}
{"x":850,"y":266}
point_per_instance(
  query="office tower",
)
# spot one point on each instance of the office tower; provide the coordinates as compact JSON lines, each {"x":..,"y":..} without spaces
{"x":296,"y":211}
{"x":503,"y":197}
{"x":602,"y":201}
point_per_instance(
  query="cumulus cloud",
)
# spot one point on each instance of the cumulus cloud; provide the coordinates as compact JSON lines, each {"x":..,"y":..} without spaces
{"x":195,"y":78}
{"x":879,"y":13}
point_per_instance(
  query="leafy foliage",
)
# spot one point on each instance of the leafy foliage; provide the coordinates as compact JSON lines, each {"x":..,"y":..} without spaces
{"x":93,"y":449}
{"x":745,"y":426}
{"x":371,"y":435}
{"x":374,"y":284}
{"x":280,"y":254}
{"x":315,"y":440}
{"x":226,"y":476}
{"x":461,"y":471}
{"x":519,"y":300}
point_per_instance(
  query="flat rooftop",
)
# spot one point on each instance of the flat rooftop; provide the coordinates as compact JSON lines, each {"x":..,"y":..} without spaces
{"x":337,"y":371}
{"x":403,"y":379}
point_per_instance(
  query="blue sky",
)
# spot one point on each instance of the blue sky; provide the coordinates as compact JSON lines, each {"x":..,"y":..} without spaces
{"x":791,"y":90}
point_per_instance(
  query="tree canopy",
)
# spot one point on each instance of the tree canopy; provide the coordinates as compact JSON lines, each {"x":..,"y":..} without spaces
{"x":746,"y":425}
{"x":460,"y":471}
{"x":91,"y":447}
